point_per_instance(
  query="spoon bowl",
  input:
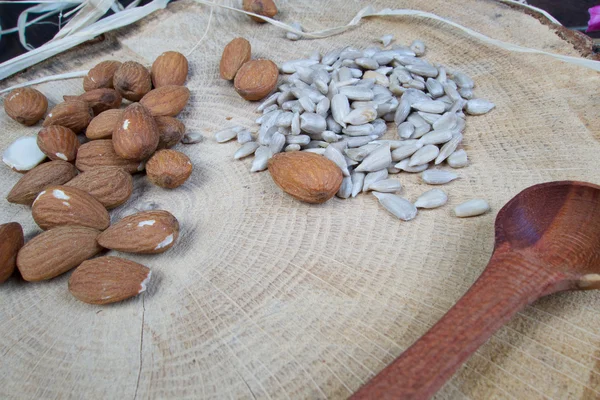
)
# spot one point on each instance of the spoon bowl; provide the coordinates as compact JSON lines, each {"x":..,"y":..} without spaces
{"x":547,"y":240}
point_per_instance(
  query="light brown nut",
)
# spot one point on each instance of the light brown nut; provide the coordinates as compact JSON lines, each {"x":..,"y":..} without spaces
{"x":64,"y":205}
{"x":171,"y":131}
{"x":58,"y":143}
{"x":26,"y":105}
{"x":99,"y":99}
{"x":136,"y":135}
{"x":101,"y":153}
{"x":75,"y":115}
{"x":235,"y":54}
{"x":308,"y":177}
{"x":147,"y":232}
{"x":33,"y":182}
{"x":108,"y":279}
{"x":256,"y":79}
{"x":168,"y":168}
{"x":56,"y":251}
{"x":111,"y":186}
{"x":166,"y":100}
{"x":170,"y":68}
{"x":101,"y":76}
{"x":132,"y":80}
{"x":103,"y":125}
{"x":261,"y":7}
{"x":11,"y":241}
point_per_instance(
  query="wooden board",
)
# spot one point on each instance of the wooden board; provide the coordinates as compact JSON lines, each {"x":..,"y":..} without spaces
{"x":264,"y":297}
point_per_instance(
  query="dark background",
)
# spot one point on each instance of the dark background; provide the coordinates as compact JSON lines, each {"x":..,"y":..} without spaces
{"x":571,"y":13}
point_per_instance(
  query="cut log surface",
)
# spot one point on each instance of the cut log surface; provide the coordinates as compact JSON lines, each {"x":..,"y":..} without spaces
{"x":267,"y":297}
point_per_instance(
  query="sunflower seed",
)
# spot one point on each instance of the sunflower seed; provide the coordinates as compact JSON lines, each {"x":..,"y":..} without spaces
{"x":356,"y":73}
{"x":421,"y":126}
{"x":436,"y":137}
{"x":358,"y":130}
{"x":285,"y":119}
{"x":386,"y":186}
{"x":451,"y":91}
{"x":432,"y":199}
{"x":403,"y":111}
{"x":458,"y":159}
{"x":284,"y":97}
{"x":403,"y":152}
{"x":292,"y":147}
{"x":449,"y":148}
{"x":466,"y":93}
{"x":350,"y":53}
{"x":277,"y":143}
{"x":361,"y":116}
{"x":424,"y":155}
{"x":261,"y":159}
{"x":294,"y":36}
{"x":406,"y":129}
{"x":471,"y":208}
{"x":429,"y":117}
{"x":415,"y":84}
{"x":358,"y":141}
{"x":272,"y":99}
{"x":323,"y":107}
{"x":424,"y":70}
{"x":225,"y":135}
{"x":442,"y":76}
{"x":319,"y":151}
{"x":385,"y":71}
{"x":332,"y":125}
{"x":430,"y":106}
{"x":290,"y":105}
{"x":479,"y":106}
{"x":458,"y":106}
{"x":330,"y":137}
{"x":192,"y":137}
{"x":397,"y":206}
{"x":298,"y":139}
{"x":379,"y":127}
{"x":359,"y":154}
{"x":345,"y":189}
{"x":307,"y":104}
{"x":434,"y":87}
{"x":361,"y":104}
{"x":446,"y":121}
{"x":418,"y":47}
{"x":295,"y":127}
{"x":356,"y":93}
{"x":438,"y":177}
{"x":312,"y":123}
{"x":377,"y":159}
{"x":358,"y":179}
{"x":379,"y":78}
{"x":463,"y":80}
{"x":338,"y":158}
{"x":373,"y":177}
{"x":340,"y":108}
{"x":403,"y":165}
{"x":331,"y":57}
{"x":246,"y":149}
{"x":289,"y":67}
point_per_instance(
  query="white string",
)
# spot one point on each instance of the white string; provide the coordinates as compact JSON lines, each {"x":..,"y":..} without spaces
{"x":59,"y":77}
{"x":205,"y":32}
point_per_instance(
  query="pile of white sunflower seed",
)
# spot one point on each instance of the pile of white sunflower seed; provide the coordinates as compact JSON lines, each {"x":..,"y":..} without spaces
{"x":339,"y":104}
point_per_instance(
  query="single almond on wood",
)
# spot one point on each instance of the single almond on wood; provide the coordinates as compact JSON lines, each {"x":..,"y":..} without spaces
{"x":136,"y":136}
{"x":75,"y":115}
{"x":99,"y":99}
{"x":11,"y":241}
{"x":132,"y":80}
{"x":170,"y":130}
{"x":64,"y":205}
{"x":108,"y":279}
{"x":235,"y":54}
{"x":58,"y":143}
{"x":26,"y":105}
{"x":101,"y":153}
{"x":308,"y":177}
{"x":103,"y":125}
{"x":111,"y":186}
{"x":170,"y":68}
{"x":101,"y":76}
{"x":168,"y":168}
{"x":260,"y":7}
{"x":256,"y":79}
{"x":56,"y":251}
{"x":33,"y":182}
{"x":148,"y":232}
{"x":166,"y":100}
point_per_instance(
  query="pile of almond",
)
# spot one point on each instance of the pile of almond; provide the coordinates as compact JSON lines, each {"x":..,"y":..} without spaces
{"x":86,"y":176}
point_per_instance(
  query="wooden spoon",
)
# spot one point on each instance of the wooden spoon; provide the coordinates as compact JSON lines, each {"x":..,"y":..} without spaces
{"x":547,"y":241}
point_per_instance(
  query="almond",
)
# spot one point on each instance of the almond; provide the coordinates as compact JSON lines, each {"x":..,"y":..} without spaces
{"x":256,"y":79}
{"x":170,"y":130}
{"x":32,"y":183}
{"x":170,"y":68}
{"x":56,"y":251}
{"x":58,"y":143}
{"x":101,"y":153}
{"x":26,"y":105}
{"x":166,"y":100}
{"x":306,"y":176}
{"x":132,"y":80}
{"x":75,"y":115}
{"x":11,"y":240}
{"x":105,"y":280}
{"x":99,"y":99}
{"x":168,"y":168}
{"x":103,"y":125}
{"x":101,"y":76}
{"x":64,"y":205}
{"x":136,"y":135}
{"x":260,"y":7}
{"x":235,"y":54}
{"x":111,"y":186}
{"x":147,"y":232}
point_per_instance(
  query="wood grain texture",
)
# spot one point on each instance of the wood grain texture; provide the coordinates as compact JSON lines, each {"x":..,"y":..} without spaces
{"x":266,"y":297}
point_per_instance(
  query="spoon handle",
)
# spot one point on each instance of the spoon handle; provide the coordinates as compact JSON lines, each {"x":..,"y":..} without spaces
{"x":507,"y":285}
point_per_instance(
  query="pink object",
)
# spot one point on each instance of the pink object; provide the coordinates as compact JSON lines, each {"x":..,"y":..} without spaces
{"x":594,"y":24}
